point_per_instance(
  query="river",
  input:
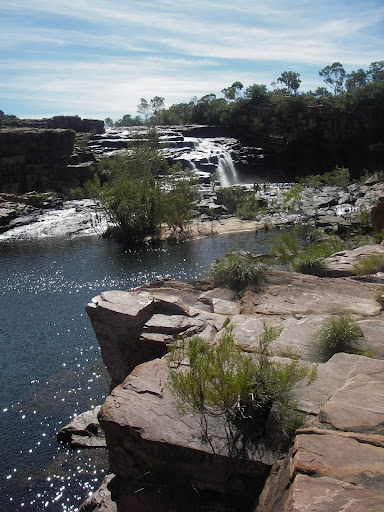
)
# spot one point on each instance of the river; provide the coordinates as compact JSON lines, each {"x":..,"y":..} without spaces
{"x":50,"y":357}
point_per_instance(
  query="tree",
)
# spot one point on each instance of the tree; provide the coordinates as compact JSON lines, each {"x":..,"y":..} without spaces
{"x":151,"y":110}
{"x":233,"y":92}
{"x":128,"y":120}
{"x":322,"y":92}
{"x":255,"y":92}
{"x":291,"y":80}
{"x":356,"y":79}
{"x":376,"y":71}
{"x":140,"y":191}
{"x":334,"y":76}
{"x":108,"y":122}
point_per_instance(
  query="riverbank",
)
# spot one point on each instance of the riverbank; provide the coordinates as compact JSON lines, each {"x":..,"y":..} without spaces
{"x":333,"y":209}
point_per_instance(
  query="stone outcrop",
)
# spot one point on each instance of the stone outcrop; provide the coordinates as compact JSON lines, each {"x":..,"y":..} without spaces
{"x":341,"y":263}
{"x":39,"y":154}
{"x":83,"y":431}
{"x":40,"y":159}
{"x":337,"y":461}
{"x":63,"y":122}
{"x":152,"y":444}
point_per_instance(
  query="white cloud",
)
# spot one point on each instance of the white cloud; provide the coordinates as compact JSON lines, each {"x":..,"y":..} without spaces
{"x":97,"y":57}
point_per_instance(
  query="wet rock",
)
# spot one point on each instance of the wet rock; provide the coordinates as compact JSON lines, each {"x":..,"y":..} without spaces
{"x":101,"y":500}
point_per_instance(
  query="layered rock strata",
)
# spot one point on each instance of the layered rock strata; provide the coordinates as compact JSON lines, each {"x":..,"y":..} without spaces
{"x":150,"y":441}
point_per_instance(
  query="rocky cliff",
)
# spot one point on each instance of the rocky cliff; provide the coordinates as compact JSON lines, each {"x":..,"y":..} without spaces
{"x":43,"y":155}
{"x":159,"y":458}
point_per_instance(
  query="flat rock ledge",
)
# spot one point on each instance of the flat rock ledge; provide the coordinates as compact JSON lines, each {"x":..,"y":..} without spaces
{"x":337,"y":459}
{"x":341,"y":263}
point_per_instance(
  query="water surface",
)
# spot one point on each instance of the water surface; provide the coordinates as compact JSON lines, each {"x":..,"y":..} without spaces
{"x":50,"y":356}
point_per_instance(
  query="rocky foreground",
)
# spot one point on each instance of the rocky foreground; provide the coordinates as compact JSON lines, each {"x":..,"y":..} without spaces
{"x":157,"y":455}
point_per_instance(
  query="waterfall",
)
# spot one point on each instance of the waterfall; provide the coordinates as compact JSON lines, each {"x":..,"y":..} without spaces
{"x":212,"y":155}
{"x":227,"y":171}
{"x":205,"y":156}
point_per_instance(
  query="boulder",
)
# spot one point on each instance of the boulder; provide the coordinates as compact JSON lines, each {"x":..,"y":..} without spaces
{"x":83,"y":431}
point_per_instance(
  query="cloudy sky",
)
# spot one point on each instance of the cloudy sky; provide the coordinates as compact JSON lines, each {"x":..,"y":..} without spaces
{"x":97,"y":58}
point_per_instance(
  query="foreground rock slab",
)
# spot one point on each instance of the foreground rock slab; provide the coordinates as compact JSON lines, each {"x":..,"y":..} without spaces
{"x":145,"y":430}
{"x":150,"y":441}
{"x":337,"y":463}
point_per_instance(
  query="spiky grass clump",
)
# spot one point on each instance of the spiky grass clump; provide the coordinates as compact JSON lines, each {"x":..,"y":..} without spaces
{"x":309,"y":265}
{"x":339,"y":333}
{"x":238,"y":272}
{"x":369,"y":265}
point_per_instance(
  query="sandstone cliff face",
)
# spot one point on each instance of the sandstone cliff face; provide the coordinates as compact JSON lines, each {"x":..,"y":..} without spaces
{"x":39,"y":154}
{"x":336,"y":459}
{"x":41,"y":159}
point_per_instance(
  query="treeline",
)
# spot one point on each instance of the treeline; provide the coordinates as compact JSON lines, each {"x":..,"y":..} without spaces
{"x":209,"y":109}
{"x":341,"y":122}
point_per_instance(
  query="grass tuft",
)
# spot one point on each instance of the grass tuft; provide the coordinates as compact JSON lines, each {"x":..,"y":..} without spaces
{"x":339,"y":333}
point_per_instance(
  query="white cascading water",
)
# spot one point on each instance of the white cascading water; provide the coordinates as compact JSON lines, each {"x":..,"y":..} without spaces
{"x":212,"y":152}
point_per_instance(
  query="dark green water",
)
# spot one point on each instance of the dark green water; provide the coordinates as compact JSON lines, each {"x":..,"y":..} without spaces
{"x":48,"y":349}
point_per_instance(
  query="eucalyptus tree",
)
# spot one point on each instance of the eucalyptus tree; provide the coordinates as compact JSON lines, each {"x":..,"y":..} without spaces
{"x":151,"y":109}
{"x":233,"y":92}
{"x":291,"y":80}
{"x":334,"y":76}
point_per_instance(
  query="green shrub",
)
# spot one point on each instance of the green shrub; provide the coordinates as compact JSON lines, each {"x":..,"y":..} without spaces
{"x":76,"y":193}
{"x":339,"y":333}
{"x":311,"y":180}
{"x":339,"y":177}
{"x":286,"y":247}
{"x":292,"y":198}
{"x":238,"y":272}
{"x":221,"y":381}
{"x":369,"y":265}
{"x":309,"y":265}
{"x":311,"y":259}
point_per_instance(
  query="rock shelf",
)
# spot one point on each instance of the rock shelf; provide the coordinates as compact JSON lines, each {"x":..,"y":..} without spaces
{"x":337,"y":459}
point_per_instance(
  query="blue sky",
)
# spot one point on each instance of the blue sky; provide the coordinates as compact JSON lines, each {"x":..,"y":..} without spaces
{"x":97,"y":58}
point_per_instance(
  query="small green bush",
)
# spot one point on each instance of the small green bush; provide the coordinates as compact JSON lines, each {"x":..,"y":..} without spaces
{"x":309,"y":265}
{"x":221,"y":381}
{"x":238,"y":272}
{"x":311,"y":259}
{"x":286,"y":247}
{"x":339,"y":333}
{"x":339,"y":177}
{"x":292,"y":198}
{"x":369,"y":265}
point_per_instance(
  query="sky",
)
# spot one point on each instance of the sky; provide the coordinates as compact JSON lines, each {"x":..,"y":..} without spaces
{"x":98,"y":58}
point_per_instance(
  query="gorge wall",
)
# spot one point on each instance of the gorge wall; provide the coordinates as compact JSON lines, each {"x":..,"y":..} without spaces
{"x":42,"y":154}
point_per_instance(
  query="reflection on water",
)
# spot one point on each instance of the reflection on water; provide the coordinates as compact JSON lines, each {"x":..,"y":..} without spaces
{"x":48,"y":351}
